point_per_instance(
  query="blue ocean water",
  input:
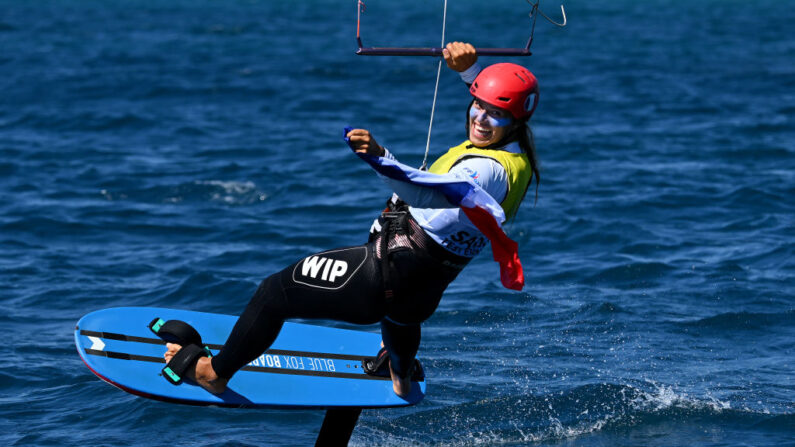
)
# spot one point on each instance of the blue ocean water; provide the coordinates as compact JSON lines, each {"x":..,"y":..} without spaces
{"x":173,"y":153}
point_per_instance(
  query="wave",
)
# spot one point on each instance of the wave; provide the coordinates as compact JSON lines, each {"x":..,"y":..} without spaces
{"x":631,"y":274}
{"x":742,"y":321}
{"x":18,"y":244}
{"x":603,"y":308}
{"x":8,"y":168}
{"x":90,"y":121}
{"x":755,"y":197}
{"x":166,"y":91}
{"x":204,"y":290}
{"x":228,"y":192}
{"x":610,"y":408}
{"x":43,"y":226}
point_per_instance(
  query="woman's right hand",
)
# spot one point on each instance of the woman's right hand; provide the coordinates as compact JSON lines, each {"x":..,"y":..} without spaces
{"x":460,"y":56}
{"x":364,"y":143}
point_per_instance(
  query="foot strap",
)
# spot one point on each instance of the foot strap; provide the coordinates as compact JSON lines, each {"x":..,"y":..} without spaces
{"x":175,"y":331}
{"x":181,"y":333}
{"x":187,"y":357}
{"x":379,"y":366}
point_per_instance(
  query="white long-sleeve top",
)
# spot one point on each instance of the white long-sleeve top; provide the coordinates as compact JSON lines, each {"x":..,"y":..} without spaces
{"x":444,"y":223}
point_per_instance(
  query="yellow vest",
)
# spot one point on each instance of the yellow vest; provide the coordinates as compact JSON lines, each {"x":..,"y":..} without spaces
{"x":516,"y":166}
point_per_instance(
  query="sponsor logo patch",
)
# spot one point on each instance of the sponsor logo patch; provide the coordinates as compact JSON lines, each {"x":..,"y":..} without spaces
{"x":329,"y":270}
{"x":332,"y":268}
{"x":473,"y":175}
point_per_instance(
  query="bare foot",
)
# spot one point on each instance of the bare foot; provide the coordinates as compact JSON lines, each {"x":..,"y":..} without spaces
{"x":401,"y":386}
{"x":203,"y":374}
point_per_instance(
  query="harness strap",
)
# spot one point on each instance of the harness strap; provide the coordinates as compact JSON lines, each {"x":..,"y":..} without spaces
{"x":384,"y":247}
{"x":394,"y":222}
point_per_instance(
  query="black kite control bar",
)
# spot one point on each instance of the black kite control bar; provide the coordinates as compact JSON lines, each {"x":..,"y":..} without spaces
{"x":437,"y":52}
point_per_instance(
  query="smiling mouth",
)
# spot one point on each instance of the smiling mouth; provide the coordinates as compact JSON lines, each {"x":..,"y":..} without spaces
{"x":480,"y":132}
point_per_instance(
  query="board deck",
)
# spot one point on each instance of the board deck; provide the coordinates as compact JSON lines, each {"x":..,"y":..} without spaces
{"x":308,"y":366}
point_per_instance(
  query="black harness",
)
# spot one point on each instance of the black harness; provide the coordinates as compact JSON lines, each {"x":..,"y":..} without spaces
{"x":396,"y":221}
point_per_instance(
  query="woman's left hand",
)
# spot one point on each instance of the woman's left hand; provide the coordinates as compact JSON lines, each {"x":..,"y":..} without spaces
{"x":460,"y":55}
{"x":364,"y":143}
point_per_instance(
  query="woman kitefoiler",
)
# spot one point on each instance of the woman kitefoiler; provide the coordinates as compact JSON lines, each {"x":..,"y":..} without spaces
{"x":416,"y":247}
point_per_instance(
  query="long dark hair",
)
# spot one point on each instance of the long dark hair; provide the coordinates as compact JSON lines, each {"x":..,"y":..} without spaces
{"x":523,"y":134}
{"x":528,"y":144}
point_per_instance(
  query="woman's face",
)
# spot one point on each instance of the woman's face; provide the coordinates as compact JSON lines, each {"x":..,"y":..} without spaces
{"x":487,"y":124}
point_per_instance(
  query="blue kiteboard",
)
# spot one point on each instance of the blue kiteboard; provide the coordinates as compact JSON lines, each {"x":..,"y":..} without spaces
{"x":308,"y":366}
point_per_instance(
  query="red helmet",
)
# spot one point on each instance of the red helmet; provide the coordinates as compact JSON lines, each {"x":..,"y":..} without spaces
{"x":507,"y":86}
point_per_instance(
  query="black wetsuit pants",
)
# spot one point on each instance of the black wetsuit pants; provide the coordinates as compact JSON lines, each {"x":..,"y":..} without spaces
{"x":345,"y":285}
